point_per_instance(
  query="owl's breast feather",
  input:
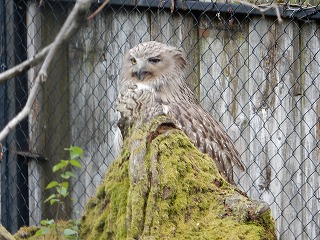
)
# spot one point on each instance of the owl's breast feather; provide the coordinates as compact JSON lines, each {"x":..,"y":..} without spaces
{"x":142,"y":86}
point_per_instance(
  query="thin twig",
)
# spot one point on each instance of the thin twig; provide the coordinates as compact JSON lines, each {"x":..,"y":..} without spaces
{"x":26,"y":65}
{"x":98,"y":10}
{"x":73,"y":23}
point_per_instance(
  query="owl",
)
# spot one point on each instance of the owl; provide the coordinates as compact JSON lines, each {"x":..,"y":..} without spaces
{"x":152,"y":82}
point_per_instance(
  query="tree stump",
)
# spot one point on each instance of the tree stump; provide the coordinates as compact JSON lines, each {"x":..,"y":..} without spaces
{"x":162,"y":187}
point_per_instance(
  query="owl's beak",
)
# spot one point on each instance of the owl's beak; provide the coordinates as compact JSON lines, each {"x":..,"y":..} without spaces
{"x":141,"y":73}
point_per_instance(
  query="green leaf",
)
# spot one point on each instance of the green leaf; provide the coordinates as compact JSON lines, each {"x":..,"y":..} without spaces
{"x":63,"y":189}
{"x":53,"y":201}
{"x":74,"y":224}
{"x":43,"y":222}
{"x":52,"y":196}
{"x":52,"y":184}
{"x":67,"y":175}
{"x":39,"y":233}
{"x":77,"y":221}
{"x":64,"y":193}
{"x":64,"y":184}
{"x":75,"y":152}
{"x":62,"y":164}
{"x":46,"y":222}
{"x":69,"y":232}
{"x":75,"y":228}
{"x":50,"y":222}
{"x":42,"y":231}
{"x":75,"y":163}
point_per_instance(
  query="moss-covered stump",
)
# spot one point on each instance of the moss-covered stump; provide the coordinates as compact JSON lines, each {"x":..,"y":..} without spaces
{"x":162,"y":187}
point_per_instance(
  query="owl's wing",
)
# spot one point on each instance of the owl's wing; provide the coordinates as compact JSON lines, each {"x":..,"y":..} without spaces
{"x":207,"y":135}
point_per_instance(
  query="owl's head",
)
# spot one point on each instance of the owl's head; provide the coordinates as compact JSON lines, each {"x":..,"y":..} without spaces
{"x":153,"y":64}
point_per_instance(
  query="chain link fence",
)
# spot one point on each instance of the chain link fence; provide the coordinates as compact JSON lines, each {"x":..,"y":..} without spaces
{"x":258,"y":76}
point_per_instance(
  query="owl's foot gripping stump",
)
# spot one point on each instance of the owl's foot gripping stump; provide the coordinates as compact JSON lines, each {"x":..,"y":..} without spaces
{"x":162,"y":187}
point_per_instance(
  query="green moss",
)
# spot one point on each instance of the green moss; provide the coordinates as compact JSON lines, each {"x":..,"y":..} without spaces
{"x":166,"y":188}
{"x":106,"y":213}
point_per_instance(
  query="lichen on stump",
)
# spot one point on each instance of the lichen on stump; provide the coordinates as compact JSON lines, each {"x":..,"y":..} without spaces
{"x":162,"y":187}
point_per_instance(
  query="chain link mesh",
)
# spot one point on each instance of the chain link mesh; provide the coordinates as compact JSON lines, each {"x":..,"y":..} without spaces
{"x":259,"y":77}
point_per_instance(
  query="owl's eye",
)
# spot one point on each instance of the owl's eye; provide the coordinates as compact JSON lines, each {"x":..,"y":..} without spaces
{"x":133,"y":61}
{"x":154,"y":60}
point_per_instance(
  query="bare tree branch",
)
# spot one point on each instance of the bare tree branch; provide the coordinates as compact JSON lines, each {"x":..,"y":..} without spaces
{"x":26,"y":65}
{"x":75,"y":20}
{"x":264,"y":8}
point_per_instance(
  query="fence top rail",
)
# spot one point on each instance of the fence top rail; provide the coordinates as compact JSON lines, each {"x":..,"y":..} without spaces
{"x":286,"y":11}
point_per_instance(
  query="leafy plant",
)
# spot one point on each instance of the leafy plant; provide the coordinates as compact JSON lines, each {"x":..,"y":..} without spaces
{"x":61,"y":192}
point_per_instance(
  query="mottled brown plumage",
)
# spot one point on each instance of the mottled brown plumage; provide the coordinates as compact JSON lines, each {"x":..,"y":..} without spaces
{"x":152,"y":82}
